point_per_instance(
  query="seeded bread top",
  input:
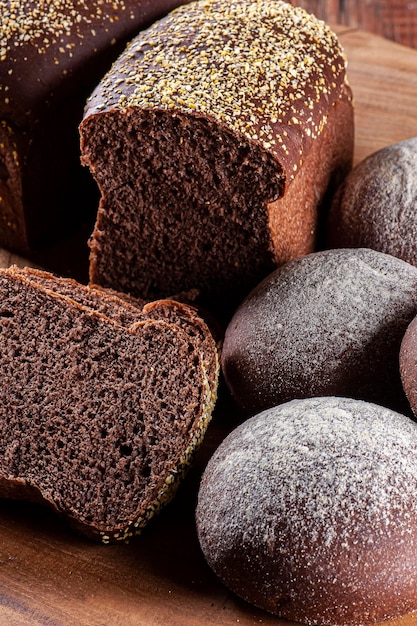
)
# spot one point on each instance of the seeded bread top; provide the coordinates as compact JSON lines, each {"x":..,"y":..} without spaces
{"x":46,"y":45}
{"x":266,"y":69}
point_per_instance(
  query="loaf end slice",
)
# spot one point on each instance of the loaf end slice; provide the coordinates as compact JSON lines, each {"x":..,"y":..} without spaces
{"x":97,"y":420}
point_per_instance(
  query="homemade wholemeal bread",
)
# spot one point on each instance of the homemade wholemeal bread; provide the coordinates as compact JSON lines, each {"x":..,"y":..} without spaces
{"x":52,"y":54}
{"x":213,"y":139}
{"x":130,"y":311}
{"x":98,"y":419}
{"x":329,"y":323}
{"x":309,"y":510}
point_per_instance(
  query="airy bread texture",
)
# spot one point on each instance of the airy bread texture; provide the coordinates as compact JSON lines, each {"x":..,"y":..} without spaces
{"x":52,"y":54}
{"x":309,"y":511}
{"x":128,"y":311}
{"x":213,"y":139}
{"x":98,"y":419}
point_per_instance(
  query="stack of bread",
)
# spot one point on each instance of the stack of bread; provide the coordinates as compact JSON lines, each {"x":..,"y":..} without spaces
{"x":217,"y":140}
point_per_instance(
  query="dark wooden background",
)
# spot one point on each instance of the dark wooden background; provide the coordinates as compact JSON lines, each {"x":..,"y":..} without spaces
{"x":393,"y":19}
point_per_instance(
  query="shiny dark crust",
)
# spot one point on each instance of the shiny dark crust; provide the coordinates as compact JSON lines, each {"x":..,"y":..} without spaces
{"x":285,"y":120}
{"x":47,"y":70}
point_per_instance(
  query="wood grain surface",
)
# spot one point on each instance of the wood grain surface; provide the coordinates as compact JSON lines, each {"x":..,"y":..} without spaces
{"x":51,"y":577}
{"x":393,"y":19}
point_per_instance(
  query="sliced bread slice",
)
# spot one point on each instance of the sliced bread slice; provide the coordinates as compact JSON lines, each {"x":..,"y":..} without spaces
{"x":96,"y":419}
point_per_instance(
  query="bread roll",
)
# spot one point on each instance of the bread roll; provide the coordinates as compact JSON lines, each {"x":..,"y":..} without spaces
{"x":213,"y":139}
{"x":375,"y":206}
{"x":408,"y":364}
{"x":309,"y":511}
{"x":330,"y":323}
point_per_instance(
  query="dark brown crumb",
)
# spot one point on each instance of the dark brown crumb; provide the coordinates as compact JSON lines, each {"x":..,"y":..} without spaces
{"x":99,"y":420}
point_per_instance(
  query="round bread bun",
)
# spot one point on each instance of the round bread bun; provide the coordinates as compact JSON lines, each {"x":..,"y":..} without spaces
{"x":408,"y":364}
{"x":375,"y":207}
{"x":309,"y":510}
{"x":327,"y":324}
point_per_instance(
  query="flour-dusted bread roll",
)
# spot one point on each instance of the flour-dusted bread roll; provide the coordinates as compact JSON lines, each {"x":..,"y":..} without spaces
{"x":52,"y":54}
{"x":213,"y":140}
{"x":98,"y":419}
{"x":375,"y":206}
{"x":330,"y":323}
{"x":408,"y":364}
{"x":309,"y":510}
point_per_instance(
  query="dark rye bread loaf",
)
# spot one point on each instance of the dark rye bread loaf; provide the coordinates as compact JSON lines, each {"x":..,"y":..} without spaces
{"x":329,"y":323}
{"x":130,"y":311}
{"x":98,"y":420}
{"x":213,"y":139}
{"x":375,"y":206}
{"x":309,"y":510}
{"x":52,"y":54}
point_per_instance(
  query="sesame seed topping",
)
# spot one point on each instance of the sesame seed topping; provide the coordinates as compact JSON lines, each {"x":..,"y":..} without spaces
{"x":47,"y":21}
{"x":253,"y":65}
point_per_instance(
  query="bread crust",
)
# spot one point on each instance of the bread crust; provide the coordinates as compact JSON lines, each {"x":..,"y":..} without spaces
{"x":296,"y":220}
{"x":52,"y":54}
{"x":328,"y":323}
{"x":308,"y":510}
{"x":192,"y":70}
{"x":374,"y":207}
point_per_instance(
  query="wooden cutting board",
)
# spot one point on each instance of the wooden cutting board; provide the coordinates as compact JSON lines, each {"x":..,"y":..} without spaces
{"x":49,"y":576}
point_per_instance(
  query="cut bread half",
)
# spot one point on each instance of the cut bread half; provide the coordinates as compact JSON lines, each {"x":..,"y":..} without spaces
{"x":98,"y":419}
